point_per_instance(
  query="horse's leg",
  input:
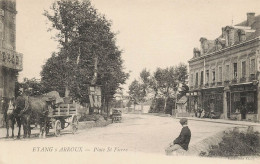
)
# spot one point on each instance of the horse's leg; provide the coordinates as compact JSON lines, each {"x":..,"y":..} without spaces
{"x":7,"y":126}
{"x":28,"y":126}
{"x":40,"y":135}
{"x":13,"y":122}
{"x":19,"y":123}
{"x":44,"y":129}
{"x":24,"y":127}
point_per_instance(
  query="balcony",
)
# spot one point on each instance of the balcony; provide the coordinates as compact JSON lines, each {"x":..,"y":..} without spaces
{"x":226,"y":82}
{"x":242,"y":79}
{"x":206,"y":85}
{"x":252,"y":77}
{"x":11,"y":59}
{"x":234,"y":81}
{"x":212,"y":84}
{"x":219,"y":83}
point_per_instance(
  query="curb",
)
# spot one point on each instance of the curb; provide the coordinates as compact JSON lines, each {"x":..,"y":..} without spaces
{"x":243,"y":123}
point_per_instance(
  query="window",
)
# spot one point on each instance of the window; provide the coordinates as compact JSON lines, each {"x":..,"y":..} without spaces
{"x":220,"y":74}
{"x":201,"y":77}
{"x":1,"y":33}
{"x":243,"y":69}
{"x":207,"y":76}
{"x":197,"y":79}
{"x":213,"y":76}
{"x":252,"y":66}
{"x":191,"y":79}
{"x":235,"y":70}
{"x":227,"y":72}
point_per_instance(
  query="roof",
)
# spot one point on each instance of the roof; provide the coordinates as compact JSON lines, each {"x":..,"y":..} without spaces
{"x":251,"y":32}
{"x":182,"y":100}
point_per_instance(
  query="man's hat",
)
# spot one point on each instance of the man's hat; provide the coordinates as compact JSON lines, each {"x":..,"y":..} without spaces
{"x":183,"y":120}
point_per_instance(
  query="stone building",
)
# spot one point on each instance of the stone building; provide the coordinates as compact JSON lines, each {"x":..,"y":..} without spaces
{"x":10,"y":60}
{"x":224,"y":73}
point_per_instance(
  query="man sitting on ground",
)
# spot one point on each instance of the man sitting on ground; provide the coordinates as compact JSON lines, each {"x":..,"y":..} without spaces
{"x":181,"y":142}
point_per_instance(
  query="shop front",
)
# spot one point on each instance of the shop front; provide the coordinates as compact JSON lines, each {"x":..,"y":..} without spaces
{"x":243,"y":102}
{"x":195,"y":104}
{"x":213,"y":102}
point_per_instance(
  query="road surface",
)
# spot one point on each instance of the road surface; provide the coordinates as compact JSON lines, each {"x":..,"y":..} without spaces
{"x":137,"y":133}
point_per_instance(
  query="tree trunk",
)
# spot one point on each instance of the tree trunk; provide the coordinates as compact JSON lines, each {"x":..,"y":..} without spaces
{"x":165,"y":104}
{"x":94,"y":79}
{"x":67,"y":91}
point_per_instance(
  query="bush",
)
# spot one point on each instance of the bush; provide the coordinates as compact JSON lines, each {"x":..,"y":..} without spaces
{"x":236,"y":144}
{"x":92,"y":117}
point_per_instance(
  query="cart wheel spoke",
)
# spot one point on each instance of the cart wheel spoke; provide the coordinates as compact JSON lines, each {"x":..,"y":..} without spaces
{"x":74,"y":124}
{"x":57,"y":128}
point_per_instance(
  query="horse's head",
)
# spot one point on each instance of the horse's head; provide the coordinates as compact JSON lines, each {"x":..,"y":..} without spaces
{"x":11,"y":107}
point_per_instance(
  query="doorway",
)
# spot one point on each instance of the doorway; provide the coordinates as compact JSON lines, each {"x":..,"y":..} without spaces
{"x":243,"y":107}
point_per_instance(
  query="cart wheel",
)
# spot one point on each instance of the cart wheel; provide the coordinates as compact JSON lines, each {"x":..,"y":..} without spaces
{"x":57,"y":128}
{"x":74,"y":124}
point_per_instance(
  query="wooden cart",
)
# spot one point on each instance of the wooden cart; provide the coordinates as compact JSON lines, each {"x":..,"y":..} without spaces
{"x":63,"y":116}
{"x":116,"y":115}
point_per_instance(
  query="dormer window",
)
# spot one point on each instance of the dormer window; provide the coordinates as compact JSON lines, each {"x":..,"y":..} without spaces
{"x":241,"y":35}
{"x":229,"y":35}
{"x":196,"y":52}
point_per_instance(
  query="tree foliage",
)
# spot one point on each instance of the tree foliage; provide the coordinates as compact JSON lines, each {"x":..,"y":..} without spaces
{"x":165,"y":83}
{"x":88,"y":54}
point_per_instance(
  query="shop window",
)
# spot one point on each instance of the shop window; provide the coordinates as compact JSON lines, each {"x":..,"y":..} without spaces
{"x":243,"y":69}
{"x":235,"y":70}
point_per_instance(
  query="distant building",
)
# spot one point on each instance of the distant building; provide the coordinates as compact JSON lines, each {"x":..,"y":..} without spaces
{"x":224,"y":73}
{"x":10,"y":60}
{"x":181,"y":107}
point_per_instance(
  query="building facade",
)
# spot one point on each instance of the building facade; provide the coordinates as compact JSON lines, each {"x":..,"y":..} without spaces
{"x":224,"y":73}
{"x":10,"y":60}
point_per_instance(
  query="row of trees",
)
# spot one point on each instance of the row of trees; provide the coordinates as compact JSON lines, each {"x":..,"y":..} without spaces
{"x":87,"y":55}
{"x":164,"y":83}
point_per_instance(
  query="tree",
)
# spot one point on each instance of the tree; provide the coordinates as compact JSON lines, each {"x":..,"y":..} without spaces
{"x":136,"y":93}
{"x":169,"y":82}
{"x":33,"y":85}
{"x":88,"y":54}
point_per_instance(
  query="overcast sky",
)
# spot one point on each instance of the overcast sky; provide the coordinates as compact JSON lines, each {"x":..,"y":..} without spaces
{"x":152,"y":33}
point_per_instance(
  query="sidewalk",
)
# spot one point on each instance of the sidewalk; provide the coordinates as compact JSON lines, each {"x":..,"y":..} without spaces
{"x":233,"y":122}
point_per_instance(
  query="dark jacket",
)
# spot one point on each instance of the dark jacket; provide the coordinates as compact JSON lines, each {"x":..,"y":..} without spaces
{"x":184,"y":138}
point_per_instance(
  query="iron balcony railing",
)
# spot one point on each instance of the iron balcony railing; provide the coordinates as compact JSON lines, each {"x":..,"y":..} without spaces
{"x":11,"y":59}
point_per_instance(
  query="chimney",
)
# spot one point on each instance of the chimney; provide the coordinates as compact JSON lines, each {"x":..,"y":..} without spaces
{"x":250,"y":18}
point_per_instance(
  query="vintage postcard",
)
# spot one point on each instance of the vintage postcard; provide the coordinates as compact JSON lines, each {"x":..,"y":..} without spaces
{"x":129,"y":81}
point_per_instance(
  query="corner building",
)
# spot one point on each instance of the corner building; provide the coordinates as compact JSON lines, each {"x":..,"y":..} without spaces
{"x":224,"y":73}
{"x":10,"y":60}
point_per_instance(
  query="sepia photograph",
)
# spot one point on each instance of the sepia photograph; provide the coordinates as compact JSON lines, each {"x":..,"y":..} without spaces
{"x":129,"y":81}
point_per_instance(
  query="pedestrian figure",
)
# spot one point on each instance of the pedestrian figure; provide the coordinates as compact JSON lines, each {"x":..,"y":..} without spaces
{"x":181,"y":142}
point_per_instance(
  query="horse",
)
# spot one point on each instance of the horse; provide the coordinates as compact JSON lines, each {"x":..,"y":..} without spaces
{"x":40,"y":108}
{"x":11,"y":116}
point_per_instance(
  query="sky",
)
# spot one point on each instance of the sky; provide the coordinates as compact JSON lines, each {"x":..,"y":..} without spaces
{"x":151,"y":33}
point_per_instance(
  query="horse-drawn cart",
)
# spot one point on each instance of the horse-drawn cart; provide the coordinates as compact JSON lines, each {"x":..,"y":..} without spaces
{"x":116,"y":115}
{"x":63,"y":116}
